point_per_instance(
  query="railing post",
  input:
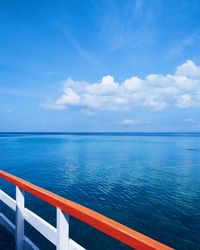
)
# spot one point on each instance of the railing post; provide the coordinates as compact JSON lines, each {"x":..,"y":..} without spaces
{"x":62,"y":230}
{"x":19,"y":233}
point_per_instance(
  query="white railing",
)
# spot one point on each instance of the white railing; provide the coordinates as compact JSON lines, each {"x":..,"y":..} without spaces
{"x":58,"y":236}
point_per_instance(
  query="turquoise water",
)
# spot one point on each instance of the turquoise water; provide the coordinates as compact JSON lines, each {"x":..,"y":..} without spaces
{"x":149,"y":182}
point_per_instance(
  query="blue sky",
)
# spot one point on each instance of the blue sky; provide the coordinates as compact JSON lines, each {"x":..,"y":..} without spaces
{"x":87,"y":65}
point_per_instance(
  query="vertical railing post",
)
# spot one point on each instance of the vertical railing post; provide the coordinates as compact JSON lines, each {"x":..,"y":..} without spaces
{"x":62,"y":230}
{"x":19,"y":234}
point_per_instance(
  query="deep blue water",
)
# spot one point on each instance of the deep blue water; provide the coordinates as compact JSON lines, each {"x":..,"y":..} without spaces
{"x":149,"y":182}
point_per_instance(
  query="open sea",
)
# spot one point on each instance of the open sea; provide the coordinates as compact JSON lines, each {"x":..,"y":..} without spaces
{"x":147,"y":181}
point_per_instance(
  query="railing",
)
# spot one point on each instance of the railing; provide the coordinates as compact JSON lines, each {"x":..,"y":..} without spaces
{"x":59,"y":236}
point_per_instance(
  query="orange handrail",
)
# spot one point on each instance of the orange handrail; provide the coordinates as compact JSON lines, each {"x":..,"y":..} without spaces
{"x":114,"y":229}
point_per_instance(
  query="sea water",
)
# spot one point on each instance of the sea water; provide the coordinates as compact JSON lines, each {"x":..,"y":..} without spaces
{"x":147,"y":181}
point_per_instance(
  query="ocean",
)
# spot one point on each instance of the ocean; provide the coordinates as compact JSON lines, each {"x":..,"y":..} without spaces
{"x":147,"y":181}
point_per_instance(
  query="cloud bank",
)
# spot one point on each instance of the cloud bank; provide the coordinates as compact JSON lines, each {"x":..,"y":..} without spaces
{"x":155,"y":91}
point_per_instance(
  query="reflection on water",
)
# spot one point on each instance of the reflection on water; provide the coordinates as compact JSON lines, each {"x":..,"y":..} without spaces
{"x":147,"y":182}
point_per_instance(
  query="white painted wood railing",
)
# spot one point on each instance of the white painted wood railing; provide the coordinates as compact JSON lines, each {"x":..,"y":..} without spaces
{"x":58,"y":236}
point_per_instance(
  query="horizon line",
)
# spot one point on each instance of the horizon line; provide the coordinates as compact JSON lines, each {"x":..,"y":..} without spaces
{"x":93,"y":132}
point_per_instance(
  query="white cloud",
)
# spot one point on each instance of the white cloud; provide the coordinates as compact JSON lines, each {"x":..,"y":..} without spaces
{"x":132,"y":122}
{"x":189,"y":68}
{"x":185,"y":101}
{"x":69,"y":98}
{"x":189,"y":120}
{"x":155,"y":91}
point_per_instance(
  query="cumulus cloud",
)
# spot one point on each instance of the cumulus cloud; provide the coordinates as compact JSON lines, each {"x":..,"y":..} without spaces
{"x":155,"y":91}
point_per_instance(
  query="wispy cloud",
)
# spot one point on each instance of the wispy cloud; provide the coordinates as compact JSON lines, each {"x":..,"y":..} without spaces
{"x":68,"y":34}
{"x":8,"y":110}
{"x":128,"y":122}
{"x":54,"y":72}
{"x":190,"y":120}
{"x":155,"y":91}
{"x":181,"y":45}
{"x":14,"y":91}
{"x":132,"y":26}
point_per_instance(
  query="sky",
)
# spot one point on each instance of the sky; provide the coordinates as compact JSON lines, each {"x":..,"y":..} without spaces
{"x":99,"y":66}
